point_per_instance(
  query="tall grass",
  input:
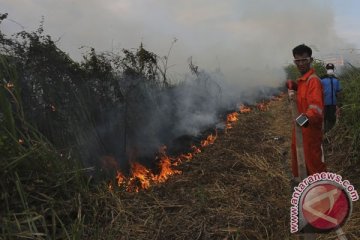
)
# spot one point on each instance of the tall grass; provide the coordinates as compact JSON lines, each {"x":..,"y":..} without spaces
{"x":293,"y":73}
{"x":41,"y":190}
{"x":350,"y":101}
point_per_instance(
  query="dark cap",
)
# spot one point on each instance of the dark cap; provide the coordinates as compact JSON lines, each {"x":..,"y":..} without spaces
{"x":329,"y":66}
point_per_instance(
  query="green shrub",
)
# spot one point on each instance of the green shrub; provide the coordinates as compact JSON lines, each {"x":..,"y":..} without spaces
{"x":350,"y":100}
{"x":40,"y":189}
{"x":293,"y":73}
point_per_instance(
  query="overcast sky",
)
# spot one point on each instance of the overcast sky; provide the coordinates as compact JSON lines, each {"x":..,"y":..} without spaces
{"x":233,"y":34}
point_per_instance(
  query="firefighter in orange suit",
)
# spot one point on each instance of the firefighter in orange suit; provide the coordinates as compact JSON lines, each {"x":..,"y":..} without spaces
{"x":309,"y":100}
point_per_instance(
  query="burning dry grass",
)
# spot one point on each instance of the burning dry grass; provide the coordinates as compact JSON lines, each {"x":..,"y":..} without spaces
{"x":237,"y":188}
{"x":142,"y":178}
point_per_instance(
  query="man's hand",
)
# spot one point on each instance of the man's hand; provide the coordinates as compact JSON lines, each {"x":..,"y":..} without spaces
{"x":291,"y":94}
{"x":292,"y":87}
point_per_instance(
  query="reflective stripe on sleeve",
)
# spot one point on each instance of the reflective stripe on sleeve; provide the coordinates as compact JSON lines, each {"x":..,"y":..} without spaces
{"x":316,"y":107}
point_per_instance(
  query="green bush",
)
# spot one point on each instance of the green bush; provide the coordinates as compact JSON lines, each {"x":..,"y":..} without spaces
{"x":40,"y":189}
{"x":350,"y":100}
{"x":67,"y":112}
{"x":293,"y":73}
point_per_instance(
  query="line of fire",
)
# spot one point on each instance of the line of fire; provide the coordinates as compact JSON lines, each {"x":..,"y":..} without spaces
{"x":140,"y":177}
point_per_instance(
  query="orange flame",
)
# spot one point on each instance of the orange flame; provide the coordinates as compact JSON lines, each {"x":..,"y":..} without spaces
{"x":143,"y":178}
{"x":209,"y":140}
{"x":261,"y":106}
{"x":232,"y":117}
{"x":244,"y":109}
{"x":140,"y":174}
{"x":187,"y":156}
{"x":120,"y":178}
{"x":165,"y":170}
{"x":9,"y":85}
{"x":195,"y":149}
{"x":177,"y":161}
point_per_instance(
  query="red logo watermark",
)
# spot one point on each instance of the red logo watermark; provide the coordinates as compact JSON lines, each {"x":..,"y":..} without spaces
{"x":321,"y":203}
{"x":325,"y":206}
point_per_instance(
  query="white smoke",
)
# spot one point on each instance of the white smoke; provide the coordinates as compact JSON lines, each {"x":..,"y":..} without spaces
{"x":249,"y":40}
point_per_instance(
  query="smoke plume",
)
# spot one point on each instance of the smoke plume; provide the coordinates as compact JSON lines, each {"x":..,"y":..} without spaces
{"x":243,"y":45}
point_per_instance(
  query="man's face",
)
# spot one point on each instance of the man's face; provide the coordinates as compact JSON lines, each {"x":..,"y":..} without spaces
{"x":303,"y":62}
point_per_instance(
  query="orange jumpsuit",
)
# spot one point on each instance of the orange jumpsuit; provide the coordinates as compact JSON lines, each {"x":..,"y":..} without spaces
{"x":309,"y":99}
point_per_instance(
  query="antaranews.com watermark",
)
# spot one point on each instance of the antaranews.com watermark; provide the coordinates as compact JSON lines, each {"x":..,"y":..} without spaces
{"x":321,"y":202}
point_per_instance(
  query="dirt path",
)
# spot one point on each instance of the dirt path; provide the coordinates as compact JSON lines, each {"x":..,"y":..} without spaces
{"x":237,"y":188}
